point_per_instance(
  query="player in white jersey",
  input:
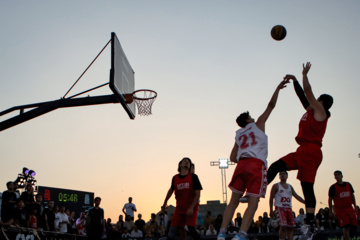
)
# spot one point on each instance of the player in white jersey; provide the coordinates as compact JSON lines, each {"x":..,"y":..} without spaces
{"x":250,"y":153}
{"x":283,"y":192}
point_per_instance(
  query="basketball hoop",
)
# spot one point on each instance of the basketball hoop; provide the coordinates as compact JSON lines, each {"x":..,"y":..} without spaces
{"x":144,"y":99}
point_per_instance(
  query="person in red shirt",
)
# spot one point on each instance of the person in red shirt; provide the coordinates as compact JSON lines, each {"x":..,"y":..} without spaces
{"x":308,"y":156}
{"x":187,"y":187}
{"x":342,"y":194}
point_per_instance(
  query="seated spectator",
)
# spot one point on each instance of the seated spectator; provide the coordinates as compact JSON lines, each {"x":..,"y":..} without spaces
{"x":20,"y":217}
{"x":266,"y":218}
{"x":238,"y":221}
{"x":129,"y":223}
{"x":211,"y":231}
{"x":140,"y":223}
{"x":136,"y":233}
{"x":232,"y":230}
{"x":258,"y":222}
{"x":218,"y":222}
{"x":264,"y":227}
{"x":125,"y":233}
{"x":322,"y":220}
{"x":274,"y":224}
{"x":120,"y":224}
{"x":253,"y":228}
{"x":200,"y":220}
{"x":300,"y":219}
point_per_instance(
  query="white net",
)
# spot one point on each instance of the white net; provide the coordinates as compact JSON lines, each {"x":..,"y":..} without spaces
{"x":144,"y":99}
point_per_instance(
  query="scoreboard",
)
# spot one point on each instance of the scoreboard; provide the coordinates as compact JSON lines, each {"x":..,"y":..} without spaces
{"x":75,"y":200}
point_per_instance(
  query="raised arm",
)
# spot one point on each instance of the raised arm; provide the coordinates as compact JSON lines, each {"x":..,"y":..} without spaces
{"x":260,"y":123}
{"x":319,"y":110}
{"x":299,"y":91}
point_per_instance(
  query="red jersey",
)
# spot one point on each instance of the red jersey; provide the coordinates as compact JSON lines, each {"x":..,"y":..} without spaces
{"x":342,"y":195}
{"x":185,"y":187}
{"x":311,"y":130}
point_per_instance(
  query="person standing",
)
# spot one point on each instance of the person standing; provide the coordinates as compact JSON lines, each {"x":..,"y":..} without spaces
{"x":95,"y":224}
{"x":342,"y":194}
{"x":64,"y":220}
{"x":187,"y":187}
{"x":129,"y":209}
{"x":50,"y":217}
{"x":8,"y":204}
{"x":283,"y":192}
{"x":250,"y":153}
{"x":308,"y":155}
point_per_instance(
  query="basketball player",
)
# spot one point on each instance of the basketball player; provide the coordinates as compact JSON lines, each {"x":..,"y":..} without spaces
{"x":249,"y":152}
{"x":187,"y":187}
{"x":308,"y":156}
{"x":282,"y":192}
{"x":342,"y":193}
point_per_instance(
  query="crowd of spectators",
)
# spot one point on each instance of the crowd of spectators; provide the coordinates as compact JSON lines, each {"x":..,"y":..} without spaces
{"x":27,"y":210}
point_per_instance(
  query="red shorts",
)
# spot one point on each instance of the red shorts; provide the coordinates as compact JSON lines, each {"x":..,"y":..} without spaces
{"x":285,"y":216}
{"x":346,"y":216}
{"x":181,"y":219}
{"x":249,"y":176}
{"x":306,"y":159}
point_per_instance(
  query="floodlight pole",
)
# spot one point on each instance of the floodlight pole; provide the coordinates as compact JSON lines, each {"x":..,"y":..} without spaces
{"x":223,"y":164}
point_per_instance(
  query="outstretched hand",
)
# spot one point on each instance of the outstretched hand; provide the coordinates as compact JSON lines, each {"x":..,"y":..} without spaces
{"x":290,"y":77}
{"x":306,"y":68}
{"x":283,"y":83}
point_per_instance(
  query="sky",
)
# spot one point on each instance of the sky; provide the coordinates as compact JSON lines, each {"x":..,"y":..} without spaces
{"x":208,"y":61}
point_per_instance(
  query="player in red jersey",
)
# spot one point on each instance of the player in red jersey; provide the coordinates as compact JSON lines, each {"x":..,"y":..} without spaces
{"x":187,"y":187}
{"x":342,"y":193}
{"x":308,"y":156}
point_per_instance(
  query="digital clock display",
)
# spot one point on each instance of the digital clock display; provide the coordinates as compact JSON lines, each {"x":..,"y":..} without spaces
{"x":74,"y":200}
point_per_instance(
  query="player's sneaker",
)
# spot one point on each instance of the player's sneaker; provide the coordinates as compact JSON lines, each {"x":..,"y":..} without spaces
{"x":238,"y":237}
{"x":308,"y":231}
{"x":221,"y":236}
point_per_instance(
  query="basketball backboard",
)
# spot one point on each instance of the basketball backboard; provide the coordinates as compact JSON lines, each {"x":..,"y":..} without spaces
{"x":122,"y":80}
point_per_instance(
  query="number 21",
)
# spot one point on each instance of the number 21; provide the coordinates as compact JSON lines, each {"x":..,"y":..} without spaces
{"x":244,"y":140}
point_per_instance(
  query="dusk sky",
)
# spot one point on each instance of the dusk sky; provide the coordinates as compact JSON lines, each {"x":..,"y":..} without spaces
{"x":208,"y":60}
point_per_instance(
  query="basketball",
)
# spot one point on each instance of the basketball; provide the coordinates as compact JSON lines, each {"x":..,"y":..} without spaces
{"x":278,"y":32}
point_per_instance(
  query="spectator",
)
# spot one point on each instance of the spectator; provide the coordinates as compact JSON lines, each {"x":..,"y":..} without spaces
{"x":8,"y":203}
{"x":120,"y":223}
{"x":258,"y":222}
{"x":64,"y":220}
{"x":20,"y":217}
{"x":95,"y":224}
{"x":238,"y":221}
{"x":40,"y":212}
{"x":211,"y":231}
{"x":274,"y":224}
{"x":300,"y":219}
{"x":208,"y":219}
{"x":217,"y":222}
{"x":57,"y":218}
{"x":266,"y":218}
{"x":50,"y":217}
{"x":71,"y":225}
{"x":321,"y":220}
{"x":28,"y":197}
{"x":129,"y":209}
{"x":32,"y":221}
{"x":129,"y":223}
{"x":125,"y":233}
{"x":136,"y":233}
{"x":80,"y":226}
{"x":140,"y":223}
{"x":199,"y":221}
{"x":16,"y":190}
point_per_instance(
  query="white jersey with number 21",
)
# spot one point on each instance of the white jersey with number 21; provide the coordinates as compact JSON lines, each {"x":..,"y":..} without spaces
{"x":252,"y":143}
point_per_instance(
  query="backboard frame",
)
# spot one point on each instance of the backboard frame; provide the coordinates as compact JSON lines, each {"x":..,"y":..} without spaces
{"x":122,"y":76}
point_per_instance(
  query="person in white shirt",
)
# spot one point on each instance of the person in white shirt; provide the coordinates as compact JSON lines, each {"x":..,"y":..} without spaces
{"x":282,"y":192}
{"x":64,"y":220}
{"x":129,"y":209}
